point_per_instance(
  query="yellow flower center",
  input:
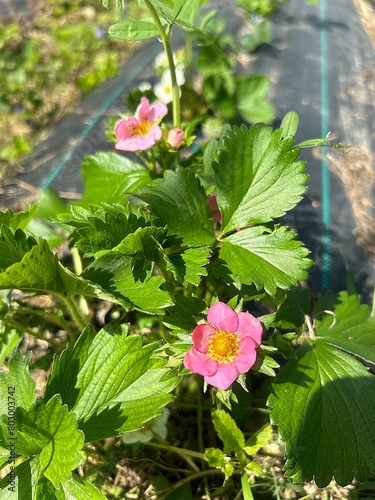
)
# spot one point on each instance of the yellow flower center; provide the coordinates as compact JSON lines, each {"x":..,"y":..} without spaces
{"x":223,"y":346}
{"x":143,"y":128}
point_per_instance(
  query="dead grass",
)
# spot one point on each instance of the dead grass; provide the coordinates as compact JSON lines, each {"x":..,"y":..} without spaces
{"x":358,"y":177}
{"x":356,"y":168}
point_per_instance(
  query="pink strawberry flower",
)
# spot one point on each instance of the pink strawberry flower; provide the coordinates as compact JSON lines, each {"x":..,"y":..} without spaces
{"x":141,"y":131}
{"x":225,"y":347}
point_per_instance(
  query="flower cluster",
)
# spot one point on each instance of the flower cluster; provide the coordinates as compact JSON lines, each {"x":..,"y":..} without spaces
{"x":141,"y":131}
{"x":225,"y":346}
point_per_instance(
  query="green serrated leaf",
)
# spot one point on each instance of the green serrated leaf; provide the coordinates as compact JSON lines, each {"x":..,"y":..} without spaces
{"x":19,"y":220}
{"x":265,"y":364}
{"x":49,"y":429}
{"x":40,"y":270}
{"x":257,"y":176}
{"x":78,"y":489}
{"x":119,"y":232}
{"x":118,"y":279}
{"x":99,"y":381}
{"x":349,"y":327}
{"x":112,"y":383}
{"x":179,"y":202}
{"x":16,"y":388}
{"x":270,"y":260}
{"x":65,"y":369}
{"x":185,"y":312}
{"x":30,"y":483}
{"x":228,"y":432}
{"x":10,"y":338}
{"x":133,"y":30}
{"x":260,"y":34}
{"x":14,"y":244}
{"x":188,"y":265}
{"x":323,"y":403}
{"x":216,"y":458}
{"x":109,"y":177}
{"x":258,"y":440}
{"x":4,"y":454}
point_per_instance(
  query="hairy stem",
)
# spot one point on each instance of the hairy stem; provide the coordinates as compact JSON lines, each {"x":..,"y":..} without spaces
{"x":165,"y":38}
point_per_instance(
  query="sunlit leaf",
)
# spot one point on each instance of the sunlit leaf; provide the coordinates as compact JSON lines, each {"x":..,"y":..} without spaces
{"x":109,"y":177}
{"x":49,"y":429}
{"x":257,"y":176}
{"x":270,"y":260}
{"x":116,"y":384}
{"x":79,"y":489}
{"x":179,"y":202}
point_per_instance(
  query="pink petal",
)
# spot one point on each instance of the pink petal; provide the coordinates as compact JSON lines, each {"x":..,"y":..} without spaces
{"x":222,"y":317}
{"x":143,"y":109}
{"x":155,"y":133}
{"x":201,"y":334}
{"x":157,"y":111}
{"x":152,"y":112}
{"x":250,"y":326}
{"x":124,"y":128}
{"x":139,"y":143}
{"x":200,"y":363}
{"x":224,"y":377}
{"x":245,"y":360}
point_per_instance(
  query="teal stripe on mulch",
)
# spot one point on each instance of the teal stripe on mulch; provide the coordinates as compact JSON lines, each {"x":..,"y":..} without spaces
{"x":324,"y":128}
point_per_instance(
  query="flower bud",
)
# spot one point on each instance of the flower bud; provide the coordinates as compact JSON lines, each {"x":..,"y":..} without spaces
{"x":175,"y":137}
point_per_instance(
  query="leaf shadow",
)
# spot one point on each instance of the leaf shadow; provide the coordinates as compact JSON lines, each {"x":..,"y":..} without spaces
{"x":103,"y":424}
{"x":335,"y":439}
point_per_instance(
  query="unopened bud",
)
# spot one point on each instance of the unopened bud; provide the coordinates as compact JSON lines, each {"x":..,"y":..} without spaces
{"x":176,"y":137}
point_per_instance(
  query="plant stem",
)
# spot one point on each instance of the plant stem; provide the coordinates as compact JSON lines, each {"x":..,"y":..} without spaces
{"x":175,"y":449}
{"x":192,"y":477}
{"x":165,"y":38}
{"x":246,"y":490}
{"x":24,"y":329}
{"x":77,"y":263}
{"x":74,"y":312}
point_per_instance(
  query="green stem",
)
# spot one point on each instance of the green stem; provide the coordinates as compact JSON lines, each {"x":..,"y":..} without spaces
{"x":41,"y":314}
{"x":201,"y":440}
{"x":75,"y":313}
{"x":200,"y":422}
{"x":24,"y":329}
{"x":175,"y":449}
{"x":246,"y":490}
{"x":192,"y":477}
{"x":165,"y":38}
{"x":77,"y":264}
